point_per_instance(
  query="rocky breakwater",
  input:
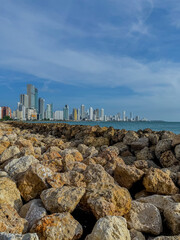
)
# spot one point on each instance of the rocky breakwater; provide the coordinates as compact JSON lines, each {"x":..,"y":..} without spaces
{"x":65,"y":182}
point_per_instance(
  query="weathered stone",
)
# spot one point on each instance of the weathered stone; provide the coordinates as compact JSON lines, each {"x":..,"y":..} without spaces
{"x":10,"y":236}
{"x":177,"y":151}
{"x":144,"y":154}
{"x":33,"y":211}
{"x":162,"y":146}
{"x":64,"y":199}
{"x":167,"y":238}
{"x":136,"y":235}
{"x":176,"y":140}
{"x":156,"y":181}
{"x":55,"y":165}
{"x":168,"y":135}
{"x":110,"y":228}
{"x":9,"y":193}
{"x":144,"y":217}
{"x":121,"y":147}
{"x":9,"y":153}
{"x":140,"y":144}
{"x":105,"y":199}
{"x":33,"y":181}
{"x":59,"y":226}
{"x":130,"y":137}
{"x":3,"y":146}
{"x":153,"y":138}
{"x":19,"y":165}
{"x":126,"y":176}
{"x":168,"y":159}
{"x":141,"y":164}
{"x":10,"y":221}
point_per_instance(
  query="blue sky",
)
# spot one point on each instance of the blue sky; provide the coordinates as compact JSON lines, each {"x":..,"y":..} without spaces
{"x":116,"y":54}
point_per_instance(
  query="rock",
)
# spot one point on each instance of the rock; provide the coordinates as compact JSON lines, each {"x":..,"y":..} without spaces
{"x":136,"y":235}
{"x":82,"y":148}
{"x":126,"y":176}
{"x":168,"y":159}
{"x":33,"y":211}
{"x":121,"y":147}
{"x":141,"y":164}
{"x":130,"y":137}
{"x":178,"y":178}
{"x":33,"y":181}
{"x":96,"y":173}
{"x":105,"y":199}
{"x":3,"y":174}
{"x":156,"y":181}
{"x":162,"y":146}
{"x":110,"y":228}
{"x":129,"y":160}
{"x":3,"y":146}
{"x":153,"y":138}
{"x":55,"y":165}
{"x":170,"y":209}
{"x":144,"y":154}
{"x":59,"y":226}
{"x":140,"y":144}
{"x":10,"y":221}
{"x":167,"y":238}
{"x":168,"y":135}
{"x":9,"y":193}
{"x":177,"y":151}
{"x":64,"y":199}
{"x":9,"y":236}
{"x":9,"y":153}
{"x":91,"y":152}
{"x":19,"y":165}
{"x":144,"y":217}
{"x":176,"y":140}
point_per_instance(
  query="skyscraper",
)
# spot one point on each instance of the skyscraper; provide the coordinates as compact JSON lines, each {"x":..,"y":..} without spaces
{"x":91,"y":113}
{"x":102,"y":114}
{"x":24,"y":100}
{"x":82,"y":112}
{"x":31,"y":96}
{"x":49,"y":111}
{"x":66,"y":112}
{"x":41,"y":108}
{"x":124,"y":115}
{"x":36,"y":100}
{"x":75,"y":114}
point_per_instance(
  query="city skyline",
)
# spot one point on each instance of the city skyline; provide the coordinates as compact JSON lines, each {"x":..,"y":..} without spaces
{"x":115,"y":54}
{"x":33,"y":107}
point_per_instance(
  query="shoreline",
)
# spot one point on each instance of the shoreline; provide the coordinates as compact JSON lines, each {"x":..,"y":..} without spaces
{"x":84,"y":178}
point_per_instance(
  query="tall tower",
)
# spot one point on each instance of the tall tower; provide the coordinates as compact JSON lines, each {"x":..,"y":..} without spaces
{"x":82,"y":111}
{"x":102,"y":114}
{"x":124,"y":115}
{"x":36,"y":100}
{"x":31,"y":96}
{"x":66,"y":112}
{"x":41,"y":108}
{"x":75,"y":114}
{"x":91,"y":113}
{"x":24,"y":100}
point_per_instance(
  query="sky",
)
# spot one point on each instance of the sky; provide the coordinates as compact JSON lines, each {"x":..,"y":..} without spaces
{"x":112,"y":54}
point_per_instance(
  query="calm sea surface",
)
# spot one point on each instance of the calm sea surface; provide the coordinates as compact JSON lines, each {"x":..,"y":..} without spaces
{"x":156,"y":126}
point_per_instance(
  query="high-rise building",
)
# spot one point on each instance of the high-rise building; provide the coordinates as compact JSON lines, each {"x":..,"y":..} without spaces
{"x":66,"y":112}
{"x":5,"y":111}
{"x":131,"y":116}
{"x":102,"y":114}
{"x":0,"y":113}
{"x":82,"y":112}
{"x":78,"y":114}
{"x":36,"y":100}
{"x":58,"y":115}
{"x":41,"y":108}
{"x":75,"y":114}
{"x":31,"y":96}
{"x":97,"y":114}
{"x":24,"y":100}
{"x":49,"y":111}
{"x":91,"y":113}
{"x":124,"y":115}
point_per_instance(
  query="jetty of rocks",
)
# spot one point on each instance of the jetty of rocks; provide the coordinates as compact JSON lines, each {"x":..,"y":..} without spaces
{"x":68,"y":182}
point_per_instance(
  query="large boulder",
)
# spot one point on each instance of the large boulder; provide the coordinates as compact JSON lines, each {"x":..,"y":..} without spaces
{"x":110,"y":228}
{"x":9,"y":153}
{"x":33,"y":181}
{"x":59,"y":226}
{"x":157,"y":181}
{"x":126,"y":176}
{"x":177,"y":151}
{"x":130,"y":137}
{"x":10,"y":221}
{"x":168,"y":159}
{"x":106,"y":199}
{"x":176,"y":140}
{"x":136,"y":235}
{"x":144,"y":217}
{"x":33,"y":211}
{"x":162,"y":146}
{"x":144,"y":154}
{"x":19,"y":165}
{"x":9,"y":193}
{"x":10,"y":236}
{"x":140,"y":144}
{"x":63,"y":199}
{"x":167,"y":238}
{"x":3,"y":146}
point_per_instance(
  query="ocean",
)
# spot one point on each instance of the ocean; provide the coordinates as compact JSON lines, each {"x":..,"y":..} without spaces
{"x":135,"y":126}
